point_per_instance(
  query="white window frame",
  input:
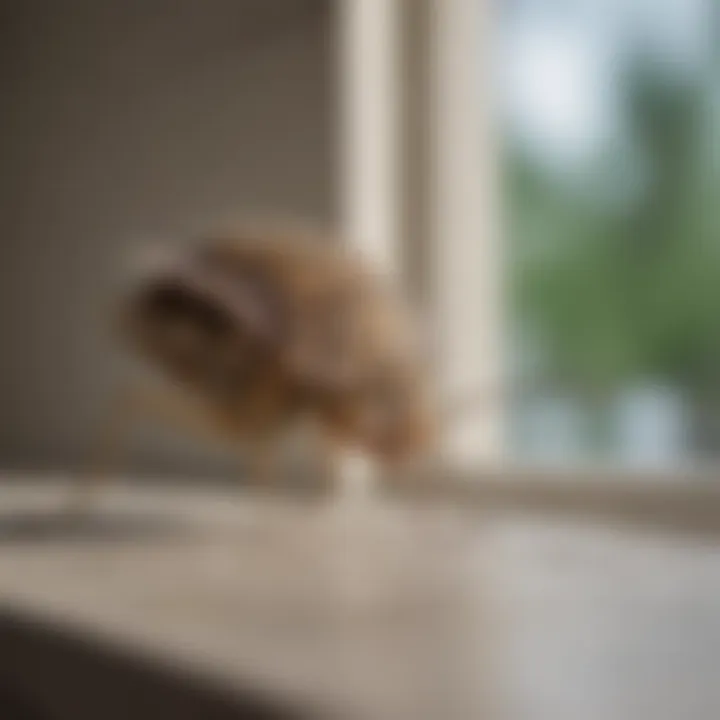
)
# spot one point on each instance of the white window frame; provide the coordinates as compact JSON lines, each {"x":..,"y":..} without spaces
{"x":449,"y":213}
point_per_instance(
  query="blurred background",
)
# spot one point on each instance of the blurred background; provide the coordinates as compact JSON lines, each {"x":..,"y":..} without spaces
{"x":136,"y":122}
{"x":611,"y":179}
{"x":130,"y":123}
{"x":540,"y":175}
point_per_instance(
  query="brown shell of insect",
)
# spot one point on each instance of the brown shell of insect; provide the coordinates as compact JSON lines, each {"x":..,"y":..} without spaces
{"x":263,"y":327}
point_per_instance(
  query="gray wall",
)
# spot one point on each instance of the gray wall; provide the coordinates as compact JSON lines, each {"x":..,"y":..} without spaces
{"x":126,"y":120}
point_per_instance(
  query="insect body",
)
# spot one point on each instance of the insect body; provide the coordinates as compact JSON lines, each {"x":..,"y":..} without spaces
{"x":262,"y":330}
